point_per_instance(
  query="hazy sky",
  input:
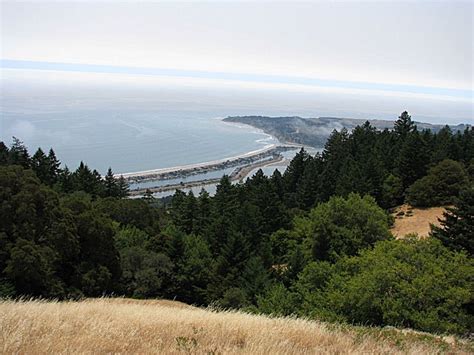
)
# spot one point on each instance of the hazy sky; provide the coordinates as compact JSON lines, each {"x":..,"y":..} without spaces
{"x":404,"y":43}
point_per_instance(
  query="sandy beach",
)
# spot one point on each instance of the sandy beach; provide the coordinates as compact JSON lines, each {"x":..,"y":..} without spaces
{"x":197,"y":165}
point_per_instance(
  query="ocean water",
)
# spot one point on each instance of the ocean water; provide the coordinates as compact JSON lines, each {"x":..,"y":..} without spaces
{"x":136,"y":123}
{"x":124,"y":131}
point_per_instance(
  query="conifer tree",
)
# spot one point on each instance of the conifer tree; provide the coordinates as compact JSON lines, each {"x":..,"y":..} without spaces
{"x":413,"y":159}
{"x":111,"y":188}
{"x":3,"y":154}
{"x":54,"y":167}
{"x":123,"y":187}
{"x":18,"y":154}
{"x":404,"y":126}
{"x":65,"y":180}
{"x":40,"y":165}
{"x":203,"y":212}
{"x":457,"y":226}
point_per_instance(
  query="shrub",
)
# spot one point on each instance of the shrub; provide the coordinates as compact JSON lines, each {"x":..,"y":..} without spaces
{"x":440,"y":187}
{"x":408,"y":283}
{"x":342,"y":227}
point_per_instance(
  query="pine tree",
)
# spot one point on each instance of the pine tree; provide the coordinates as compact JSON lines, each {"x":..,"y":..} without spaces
{"x":404,"y":126}
{"x":4,"y":152}
{"x":294,"y":172}
{"x":40,"y":165}
{"x":123,"y":187}
{"x":111,"y":186}
{"x":88,"y":181}
{"x":65,"y":180}
{"x":413,"y":159}
{"x":54,"y":167}
{"x":203,"y":218}
{"x":457,"y":226}
{"x":18,"y":154}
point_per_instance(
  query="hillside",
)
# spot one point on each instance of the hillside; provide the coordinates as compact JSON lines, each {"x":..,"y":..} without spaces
{"x":315,"y":131}
{"x":132,"y":326}
{"x":415,"y":220}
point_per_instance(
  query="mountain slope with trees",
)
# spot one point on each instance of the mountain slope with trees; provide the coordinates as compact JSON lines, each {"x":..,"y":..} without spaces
{"x":313,"y":241}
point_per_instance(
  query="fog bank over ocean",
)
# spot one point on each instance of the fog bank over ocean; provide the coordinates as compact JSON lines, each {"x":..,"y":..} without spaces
{"x":135,"y":123}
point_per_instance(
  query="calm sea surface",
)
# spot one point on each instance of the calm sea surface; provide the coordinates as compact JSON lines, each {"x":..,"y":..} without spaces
{"x":128,"y":135}
{"x":136,"y":123}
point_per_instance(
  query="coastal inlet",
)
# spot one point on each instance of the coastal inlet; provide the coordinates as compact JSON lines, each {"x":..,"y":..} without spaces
{"x":160,"y":181}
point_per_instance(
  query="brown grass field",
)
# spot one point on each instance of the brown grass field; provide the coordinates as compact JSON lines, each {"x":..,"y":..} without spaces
{"x":167,"y":327}
{"x":415,"y":220}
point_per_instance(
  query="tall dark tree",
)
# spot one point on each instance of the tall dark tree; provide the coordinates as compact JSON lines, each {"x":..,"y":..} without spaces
{"x":40,"y":165}
{"x":111,"y":186}
{"x":54,"y":167}
{"x":203,"y":213}
{"x":413,"y":160}
{"x":65,"y":180}
{"x":457,"y":225}
{"x":40,"y":247}
{"x":404,"y":126}
{"x":123,"y":187}
{"x":4,"y":153}
{"x":18,"y":154}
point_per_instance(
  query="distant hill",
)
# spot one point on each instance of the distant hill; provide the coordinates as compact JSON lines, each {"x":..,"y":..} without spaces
{"x":315,"y":131}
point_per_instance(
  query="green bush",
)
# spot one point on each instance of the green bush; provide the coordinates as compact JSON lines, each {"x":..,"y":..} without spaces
{"x":342,"y":226}
{"x":408,"y":283}
{"x":440,"y":187}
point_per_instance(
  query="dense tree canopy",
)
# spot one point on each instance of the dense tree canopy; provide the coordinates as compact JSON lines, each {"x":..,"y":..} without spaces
{"x":313,"y":240}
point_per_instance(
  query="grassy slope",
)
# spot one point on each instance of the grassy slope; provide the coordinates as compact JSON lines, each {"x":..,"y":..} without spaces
{"x":121,"y":325}
{"x":415,"y":220}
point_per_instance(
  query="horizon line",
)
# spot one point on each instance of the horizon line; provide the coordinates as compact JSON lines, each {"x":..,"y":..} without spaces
{"x":246,"y":77}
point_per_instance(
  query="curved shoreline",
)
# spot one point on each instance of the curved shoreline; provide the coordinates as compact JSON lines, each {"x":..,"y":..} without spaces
{"x":239,"y":174}
{"x":196,"y":165}
{"x":203,"y":168}
{"x":143,"y":174}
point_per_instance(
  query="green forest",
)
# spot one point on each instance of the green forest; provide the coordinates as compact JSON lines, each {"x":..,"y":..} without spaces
{"x":313,"y":241}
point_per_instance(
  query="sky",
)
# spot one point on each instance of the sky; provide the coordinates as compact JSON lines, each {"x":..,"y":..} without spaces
{"x":418,"y":47}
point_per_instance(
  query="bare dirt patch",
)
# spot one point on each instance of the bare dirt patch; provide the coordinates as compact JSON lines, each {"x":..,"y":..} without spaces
{"x":409,"y":219}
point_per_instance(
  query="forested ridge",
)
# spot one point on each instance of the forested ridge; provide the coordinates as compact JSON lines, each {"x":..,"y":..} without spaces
{"x":313,"y":241}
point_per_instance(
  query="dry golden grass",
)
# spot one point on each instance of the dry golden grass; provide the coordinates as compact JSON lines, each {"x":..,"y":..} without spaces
{"x":130,"y":326}
{"x":415,"y":220}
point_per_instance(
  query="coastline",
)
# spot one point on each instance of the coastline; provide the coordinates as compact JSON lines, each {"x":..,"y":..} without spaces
{"x":243,"y":164}
{"x":266,"y":148}
{"x":205,"y":167}
{"x":158,"y":171}
{"x":238,"y":175}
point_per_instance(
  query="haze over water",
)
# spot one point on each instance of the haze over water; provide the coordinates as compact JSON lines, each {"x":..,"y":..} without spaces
{"x":135,"y":123}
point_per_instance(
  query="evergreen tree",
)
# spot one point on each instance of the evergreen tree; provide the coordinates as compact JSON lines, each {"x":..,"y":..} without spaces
{"x":404,"y":126}
{"x":457,"y":227}
{"x":111,"y":186}
{"x":65,"y":180}
{"x":335,"y":153}
{"x":203,"y":211}
{"x":122,"y":187}
{"x":54,"y":167}
{"x":441,"y":145}
{"x":18,"y":154}
{"x":293,"y":175}
{"x":413,"y":159}
{"x":4,"y":154}
{"x":40,"y":165}
{"x":276,"y":181}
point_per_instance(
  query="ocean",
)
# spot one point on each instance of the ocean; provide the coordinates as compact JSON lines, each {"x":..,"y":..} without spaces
{"x":124,"y":129}
{"x":136,"y":123}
